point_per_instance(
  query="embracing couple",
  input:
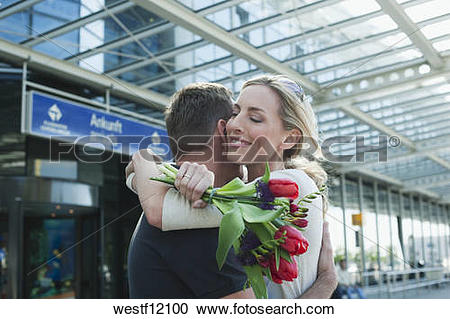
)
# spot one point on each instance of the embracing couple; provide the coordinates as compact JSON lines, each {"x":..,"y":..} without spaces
{"x":172,"y":251}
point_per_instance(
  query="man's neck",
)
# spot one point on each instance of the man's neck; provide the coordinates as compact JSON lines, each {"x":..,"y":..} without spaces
{"x":224,"y":172}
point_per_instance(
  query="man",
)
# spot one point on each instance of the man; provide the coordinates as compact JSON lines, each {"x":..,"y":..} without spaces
{"x":182,"y":264}
{"x":346,"y":286}
{"x":200,"y":109}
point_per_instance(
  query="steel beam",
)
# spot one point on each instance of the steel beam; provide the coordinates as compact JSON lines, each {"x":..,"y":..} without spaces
{"x":266,"y":47}
{"x":389,"y":208}
{"x":236,"y":31}
{"x":432,"y":181}
{"x":17,"y":7}
{"x":396,"y":12}
{"x":117,"y":8}
{"x":418,"y":111}
{"x":364,"y":118}
{"x":361,"y":229}
{"x":394,"y":158}
{"x":343,"y":207}
{"x":377,"y":226}
{"x":422,"y":213}
{"x":178,"y":14}
{"x":149,"y":31}
{"x":347,"y":45}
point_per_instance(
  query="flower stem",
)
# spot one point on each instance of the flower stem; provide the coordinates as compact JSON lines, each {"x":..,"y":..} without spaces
{"x":166,"y":180}
{"x":167,"y":172}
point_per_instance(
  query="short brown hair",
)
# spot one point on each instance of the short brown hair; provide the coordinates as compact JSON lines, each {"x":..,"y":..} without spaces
{"x":195,"y":110}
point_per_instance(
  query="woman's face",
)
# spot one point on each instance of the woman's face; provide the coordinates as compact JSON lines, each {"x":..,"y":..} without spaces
{"x":255,"y":128}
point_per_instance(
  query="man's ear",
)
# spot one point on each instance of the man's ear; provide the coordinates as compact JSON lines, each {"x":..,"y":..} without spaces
{"x":293,"y":137}
{"x":221,"y":129}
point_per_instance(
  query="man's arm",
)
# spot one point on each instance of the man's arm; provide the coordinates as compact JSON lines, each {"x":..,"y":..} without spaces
{"x":326,"y":281}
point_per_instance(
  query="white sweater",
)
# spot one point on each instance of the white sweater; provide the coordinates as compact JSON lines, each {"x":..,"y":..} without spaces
{"x":178,"y":214}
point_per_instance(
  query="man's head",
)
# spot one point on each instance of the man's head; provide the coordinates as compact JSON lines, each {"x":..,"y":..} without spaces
{"x":343,"y":264}
{"x":195,"y":110}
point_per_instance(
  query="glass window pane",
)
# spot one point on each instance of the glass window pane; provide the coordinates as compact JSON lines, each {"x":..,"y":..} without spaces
{"x":384,"y":231}
{"x":16,"y":27}
{"x":428,"y":10}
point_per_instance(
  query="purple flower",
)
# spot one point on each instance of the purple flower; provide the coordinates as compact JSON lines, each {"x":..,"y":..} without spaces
{"x":250,"y":241}
{"x":247,"y":259}
{"x":264,"y":193}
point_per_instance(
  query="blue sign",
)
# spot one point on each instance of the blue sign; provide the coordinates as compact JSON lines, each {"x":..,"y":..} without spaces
{"x":54,"y":117}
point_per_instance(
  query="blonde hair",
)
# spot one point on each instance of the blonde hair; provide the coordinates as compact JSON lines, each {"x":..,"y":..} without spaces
{"x":296,"y":113}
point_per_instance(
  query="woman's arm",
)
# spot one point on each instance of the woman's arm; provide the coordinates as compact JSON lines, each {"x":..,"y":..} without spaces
{"x":151,"y":193}
{"x":163,"y":206}
{"x":326,"y":281}
{"x":184,"y":209}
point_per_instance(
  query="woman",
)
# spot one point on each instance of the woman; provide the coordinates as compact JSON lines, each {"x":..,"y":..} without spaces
{"x":271,"y":114}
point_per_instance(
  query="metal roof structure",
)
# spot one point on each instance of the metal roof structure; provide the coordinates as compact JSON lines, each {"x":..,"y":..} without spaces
{"x":370,"y":67}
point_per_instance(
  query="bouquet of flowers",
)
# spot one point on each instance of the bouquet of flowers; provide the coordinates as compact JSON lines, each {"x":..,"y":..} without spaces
{"x":262,"y":224}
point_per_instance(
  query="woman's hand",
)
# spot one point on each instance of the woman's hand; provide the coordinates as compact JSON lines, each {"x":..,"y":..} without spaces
{"x":192,"y":181}
{"x":143,"y":164}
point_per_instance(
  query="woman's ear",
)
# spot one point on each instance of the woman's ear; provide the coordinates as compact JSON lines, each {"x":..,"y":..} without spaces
{"x":222,"y":129}
{"x":293,"y":137}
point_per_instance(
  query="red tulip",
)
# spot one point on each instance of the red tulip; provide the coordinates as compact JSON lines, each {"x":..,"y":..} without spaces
{"x":283,"y":187}
{"x":293,"y":208}
{"x":286,"y":271}
{"x":294,"y":243}
{"x":302,"y":223}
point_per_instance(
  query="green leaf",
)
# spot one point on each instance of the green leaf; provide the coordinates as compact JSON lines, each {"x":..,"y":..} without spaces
{"x":266,"y":175}
{"x":277,"y":257}
{"x":253,"y":214}
{"x":236,"y":246}
{"x":233,"y":185}
{"x":262,"y":232}
{"x":279,"y":222}
{"x":254,"y":275}
{"x":267,"y":272}
{"x":285,"y":255}
{"x":237,"y":187}
{"x":231,"y":228}
{"x":224,"y":205}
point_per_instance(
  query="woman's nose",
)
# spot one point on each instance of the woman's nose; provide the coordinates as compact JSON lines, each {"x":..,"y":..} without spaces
{"x":234,"y":126}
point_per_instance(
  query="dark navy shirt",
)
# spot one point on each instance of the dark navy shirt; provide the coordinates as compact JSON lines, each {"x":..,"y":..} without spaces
{"x":179,"y":264}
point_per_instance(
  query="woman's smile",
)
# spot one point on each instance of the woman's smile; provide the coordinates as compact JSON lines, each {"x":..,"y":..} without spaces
{"x":235,"y":141}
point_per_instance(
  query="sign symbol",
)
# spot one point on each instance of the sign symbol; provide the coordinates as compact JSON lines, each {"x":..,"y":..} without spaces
{"x":54,"y":112}
{"x":394,"y":141}
{"x":156,"y":139}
